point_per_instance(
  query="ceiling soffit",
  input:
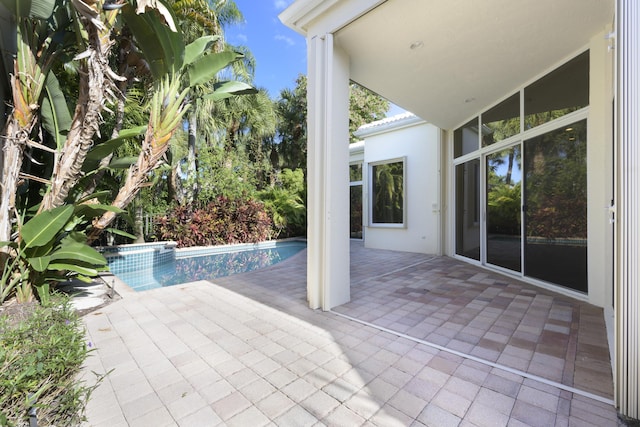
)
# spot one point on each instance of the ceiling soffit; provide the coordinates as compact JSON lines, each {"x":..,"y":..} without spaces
{"x":466,"y":54}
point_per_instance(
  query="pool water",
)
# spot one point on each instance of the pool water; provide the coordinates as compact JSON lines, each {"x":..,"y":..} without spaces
{"x":205,"y":267}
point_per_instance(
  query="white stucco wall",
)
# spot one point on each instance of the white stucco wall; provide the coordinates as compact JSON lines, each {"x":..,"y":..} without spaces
{"x":419,"y":144}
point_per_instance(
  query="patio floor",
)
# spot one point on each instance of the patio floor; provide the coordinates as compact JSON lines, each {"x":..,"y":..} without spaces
{"x":425,"y":341}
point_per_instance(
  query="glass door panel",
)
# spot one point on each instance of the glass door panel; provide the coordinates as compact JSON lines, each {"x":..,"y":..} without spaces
{"x":555,"y":199}
{"x":468,"y":209}
{"x":355,"y":223}
{"x":504,"y":235}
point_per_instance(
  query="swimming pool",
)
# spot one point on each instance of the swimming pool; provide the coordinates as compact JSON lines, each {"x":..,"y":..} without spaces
{"x":157,"y":266}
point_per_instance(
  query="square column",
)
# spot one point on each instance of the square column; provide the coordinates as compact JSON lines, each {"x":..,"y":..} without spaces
{"x":328,"y":283}
{"x":627,"y":298}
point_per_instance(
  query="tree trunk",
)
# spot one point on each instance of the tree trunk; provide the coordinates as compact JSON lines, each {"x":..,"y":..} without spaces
{"x":95,"y":84}
{"x":149,"y":157}
{"x":91,"y":186}
{"x":139,"y":223}
{"x":13,"y":149}
{"x":192,"y":171}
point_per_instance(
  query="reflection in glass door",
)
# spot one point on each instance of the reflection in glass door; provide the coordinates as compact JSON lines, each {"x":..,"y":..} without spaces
{"x":504,"y":176}
{"x":555,"y":197}
{"x":468,"y":209}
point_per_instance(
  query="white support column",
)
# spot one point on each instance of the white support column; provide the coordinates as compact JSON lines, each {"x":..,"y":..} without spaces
{"x":328,"y":283}
{"x":627,"y":303}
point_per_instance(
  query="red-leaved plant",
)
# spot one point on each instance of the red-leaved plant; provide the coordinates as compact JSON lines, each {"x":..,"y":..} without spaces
{"x":220,"y":222}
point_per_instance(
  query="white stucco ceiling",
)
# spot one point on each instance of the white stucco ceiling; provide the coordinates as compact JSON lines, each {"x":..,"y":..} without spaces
{"x":473,"y":51}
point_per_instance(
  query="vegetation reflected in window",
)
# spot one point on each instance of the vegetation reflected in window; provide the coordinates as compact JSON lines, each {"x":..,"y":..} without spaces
{"x":355,"y":172}
{"x":564,"y":90}
{"x":387,"y":188}
{"x":501,"y":121}
{"x":355,"y":210}
{"x":503,"y":208}
{"x":555,"y":178}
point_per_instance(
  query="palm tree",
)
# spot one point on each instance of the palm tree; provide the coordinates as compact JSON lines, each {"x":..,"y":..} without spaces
{"x":197,"y":18}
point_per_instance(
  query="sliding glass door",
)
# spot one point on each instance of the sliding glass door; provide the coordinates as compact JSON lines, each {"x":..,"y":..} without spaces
{"x":503,"y":208}
{"x":555,"y":202}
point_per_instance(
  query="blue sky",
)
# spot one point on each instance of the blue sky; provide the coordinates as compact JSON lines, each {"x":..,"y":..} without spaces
{"x":280,"y":52}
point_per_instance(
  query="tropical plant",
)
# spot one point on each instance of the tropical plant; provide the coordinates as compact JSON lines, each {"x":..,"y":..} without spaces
{"x":192,"y":64}
{"x":221,"y":221}
{"x":290,"y":146}
{"x":49,"y":250}
{"x":364,"y":107}
{"x":48,"y":31}
{"x":286,"y":203}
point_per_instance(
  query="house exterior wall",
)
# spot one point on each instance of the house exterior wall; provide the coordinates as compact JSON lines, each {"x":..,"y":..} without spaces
{"x":419,"y":145}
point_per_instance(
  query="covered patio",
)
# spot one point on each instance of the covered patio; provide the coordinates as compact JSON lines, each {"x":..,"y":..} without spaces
{"x":425,"y":341}
{"x":474,"y":69}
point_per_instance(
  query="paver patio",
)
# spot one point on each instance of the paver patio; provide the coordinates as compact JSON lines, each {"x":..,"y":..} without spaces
{"x":247,"y":351}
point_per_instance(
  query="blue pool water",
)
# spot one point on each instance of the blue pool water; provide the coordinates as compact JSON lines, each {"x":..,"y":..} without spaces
{"x":173,"y":270}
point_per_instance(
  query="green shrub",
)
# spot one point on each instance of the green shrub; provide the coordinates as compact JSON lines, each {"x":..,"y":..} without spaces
{"x":285,"y":202}
{"x":42,"y":349}
{"x":222,"y":221}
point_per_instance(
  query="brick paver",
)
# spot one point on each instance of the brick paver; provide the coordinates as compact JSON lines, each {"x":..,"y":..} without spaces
{"x":248,"y":351}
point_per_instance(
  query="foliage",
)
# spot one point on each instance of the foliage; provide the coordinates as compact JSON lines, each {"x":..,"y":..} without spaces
{"x":364,"y":107}
{"x":388,"y":193}
{"x":286,"y":202}
{"x":42,"y":350}
{"x":290,"y":147}
{"x":503,"y":206}
{"x":227,"y":174}
{"x":221,"y":221}
{"x":556,"y":183}
{"x":49,"y":250}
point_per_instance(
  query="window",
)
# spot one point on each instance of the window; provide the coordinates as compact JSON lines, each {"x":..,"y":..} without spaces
{"x":521,"y":188}
{"x":502,"y":121}
{"x":355,"y":172}
{"x":387,"y":193}
{"x":468,"y":209}
{"x":562,"y":91}
{"x":555,"y":191}
{"x":465,"y":139}
{"x":355,"y":201}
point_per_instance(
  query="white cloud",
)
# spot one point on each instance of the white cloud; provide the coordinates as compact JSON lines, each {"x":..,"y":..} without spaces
{"x":242,"y":38}
{"x":288,"y":40}
{"x":280,"y":4}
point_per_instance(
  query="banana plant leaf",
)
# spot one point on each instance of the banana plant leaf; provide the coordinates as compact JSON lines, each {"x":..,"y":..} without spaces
{"x":207,"y":67}
{"x":39,"y":9}
{"x":122,"y":162}
{"x":61,"y":266}
{"x":75,"y":251}
{"x":226,"y":89}
{"x":56,"y":118}
{"x":39,"y":264}
{"x":106,"y":148}
{"x":43,"y":228}
{"x":100,"y":195}
{"x":163,"y":49}
{"x":93,"y":210}
{"x":121,"y":233}
{"x":197,"y":48}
